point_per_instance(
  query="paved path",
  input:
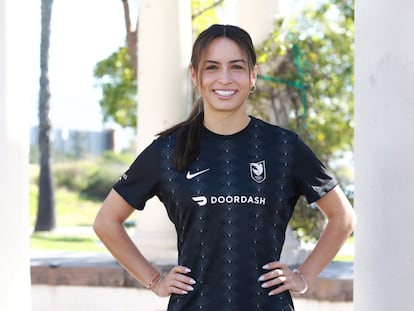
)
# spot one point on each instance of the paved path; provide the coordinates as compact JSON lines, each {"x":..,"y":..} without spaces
{"x":147,"y":301}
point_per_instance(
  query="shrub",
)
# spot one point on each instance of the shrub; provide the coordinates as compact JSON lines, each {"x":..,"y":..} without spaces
{"x":74,"y":175}
{"x":101,"y":181}
{"x":91,"y":178}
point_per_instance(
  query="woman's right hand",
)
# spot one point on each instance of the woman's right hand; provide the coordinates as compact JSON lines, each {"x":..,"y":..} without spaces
{"x":175,"y":282}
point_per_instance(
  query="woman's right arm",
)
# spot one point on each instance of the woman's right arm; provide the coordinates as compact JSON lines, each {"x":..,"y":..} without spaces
{"x":109,"y":227}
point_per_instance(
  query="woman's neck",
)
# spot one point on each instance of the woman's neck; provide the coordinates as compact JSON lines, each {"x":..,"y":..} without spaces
{"x":226,"y":124}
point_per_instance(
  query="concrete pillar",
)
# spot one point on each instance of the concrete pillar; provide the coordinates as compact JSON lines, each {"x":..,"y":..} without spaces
{"x":14,"y":142}
{"x":384,"y":148}
{"x":164,"y":90}
{"x":258,"y":18}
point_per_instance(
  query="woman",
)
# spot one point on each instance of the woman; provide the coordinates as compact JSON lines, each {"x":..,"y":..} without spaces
{"x":229,"y":183}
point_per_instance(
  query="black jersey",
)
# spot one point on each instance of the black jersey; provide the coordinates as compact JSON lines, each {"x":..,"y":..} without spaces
{"x":230,"y":209}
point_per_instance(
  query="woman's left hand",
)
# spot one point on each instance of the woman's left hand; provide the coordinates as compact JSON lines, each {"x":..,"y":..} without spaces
{"x":280,"y":274}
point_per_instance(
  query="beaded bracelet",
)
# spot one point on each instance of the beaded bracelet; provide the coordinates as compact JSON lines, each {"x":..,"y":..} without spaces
{"x":297,"y":271}
{"x":153,"y":281}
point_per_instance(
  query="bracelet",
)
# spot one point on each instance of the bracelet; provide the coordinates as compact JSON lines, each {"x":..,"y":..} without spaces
{"x":297,"y":271}
{"x":153,"y":281}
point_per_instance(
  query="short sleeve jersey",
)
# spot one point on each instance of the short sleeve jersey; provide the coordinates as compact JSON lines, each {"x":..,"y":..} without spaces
{"x":230,"y":209}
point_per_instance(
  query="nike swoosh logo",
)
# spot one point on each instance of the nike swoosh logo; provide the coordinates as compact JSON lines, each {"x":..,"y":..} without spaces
{"x":192,"y":175}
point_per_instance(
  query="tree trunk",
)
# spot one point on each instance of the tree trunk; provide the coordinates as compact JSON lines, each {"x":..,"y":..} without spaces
{"x":132,"y":38}
{"x":46,"y":219}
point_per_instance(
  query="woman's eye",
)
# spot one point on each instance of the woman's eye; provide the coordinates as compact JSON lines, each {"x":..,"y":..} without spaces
{"x":238,"y":67}
{"x":211,"y":67}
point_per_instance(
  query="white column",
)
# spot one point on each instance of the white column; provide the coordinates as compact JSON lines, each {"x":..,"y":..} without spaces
{"x":258,"y":18}
{"x":384,"y":148}
{"x":164,"y":50}
{"x":14,"y":142}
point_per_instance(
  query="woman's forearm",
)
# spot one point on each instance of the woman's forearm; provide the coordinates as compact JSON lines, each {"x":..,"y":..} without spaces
{"x":332,"y":239}
{"x":341,"y":222}
{"x":117,"y":241}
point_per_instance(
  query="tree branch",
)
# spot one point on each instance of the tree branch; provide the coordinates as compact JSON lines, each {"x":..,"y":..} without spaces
{"x":214,"y":4}
{"x":131,"y":38}
{"x":127,"y":16}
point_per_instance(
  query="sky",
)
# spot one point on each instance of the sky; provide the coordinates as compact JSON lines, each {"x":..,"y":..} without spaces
{"x":83,"y":32}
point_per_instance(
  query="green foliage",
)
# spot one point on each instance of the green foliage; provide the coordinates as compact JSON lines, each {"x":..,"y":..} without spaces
{"x":204,"y":14}
{"x":119,"y":88}
{"x":324,"y":38}
{"x":315,"y":48}
{"x":74,"y":175}
{"x":115,"y":74}
{"x":81,"y":186}
{"x":72,"y":209}
{"x":100,"y":182}
{"x":123,"y":158}
{"x":91,"y":178}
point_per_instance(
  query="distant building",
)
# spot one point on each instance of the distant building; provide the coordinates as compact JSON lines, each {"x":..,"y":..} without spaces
{"x":78,"y":144}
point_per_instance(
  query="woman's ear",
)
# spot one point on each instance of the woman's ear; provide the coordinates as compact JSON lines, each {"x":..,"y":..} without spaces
{"x":254,"y":74}
{"x":193,"y":76}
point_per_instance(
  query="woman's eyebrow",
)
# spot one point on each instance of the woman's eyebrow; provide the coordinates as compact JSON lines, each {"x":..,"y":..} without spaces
{"x":232,"y":61}
{"x":238,"y":61}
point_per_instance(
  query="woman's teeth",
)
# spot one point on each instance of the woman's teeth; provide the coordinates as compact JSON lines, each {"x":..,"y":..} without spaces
{"x":224,"y":92}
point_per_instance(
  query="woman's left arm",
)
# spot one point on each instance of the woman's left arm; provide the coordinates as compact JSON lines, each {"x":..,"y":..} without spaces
{"x":341,"y":222}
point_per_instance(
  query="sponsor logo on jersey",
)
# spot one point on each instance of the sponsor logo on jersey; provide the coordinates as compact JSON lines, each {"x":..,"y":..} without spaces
{"x":229,"y":199}
{"x":258,"y":171}
{"x":201,"y":201}
{"x":195,"y":174}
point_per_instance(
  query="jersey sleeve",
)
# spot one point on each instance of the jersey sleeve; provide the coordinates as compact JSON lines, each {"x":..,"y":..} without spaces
{"x":140,"y":182}
{"x":312,"y":179}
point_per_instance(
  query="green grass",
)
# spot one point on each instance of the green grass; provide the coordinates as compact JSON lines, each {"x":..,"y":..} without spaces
{"x":71,"y":211}
{"x":63,"y":242}
{"x":71,"y":208}
{"x":344,"y":258}
{"x":346,"y":255}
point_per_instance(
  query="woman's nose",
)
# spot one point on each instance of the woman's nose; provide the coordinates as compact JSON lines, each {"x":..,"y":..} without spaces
{"x":225,"y":76}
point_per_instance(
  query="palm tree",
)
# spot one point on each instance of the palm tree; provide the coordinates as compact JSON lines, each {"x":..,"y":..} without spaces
{"x":46,"y":219}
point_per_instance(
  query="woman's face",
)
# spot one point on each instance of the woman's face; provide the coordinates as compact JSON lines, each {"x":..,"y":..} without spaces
{"x":223,"y":78}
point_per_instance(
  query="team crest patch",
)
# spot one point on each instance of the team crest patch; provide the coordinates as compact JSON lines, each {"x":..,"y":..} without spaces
{"x":258,"y":171}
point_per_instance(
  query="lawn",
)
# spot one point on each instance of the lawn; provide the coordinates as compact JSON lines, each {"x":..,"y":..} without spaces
{"x":65,"y":242}
{"x":74,"y":219}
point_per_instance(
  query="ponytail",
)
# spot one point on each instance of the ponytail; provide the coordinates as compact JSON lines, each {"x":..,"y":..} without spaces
{"x":187,"y":147}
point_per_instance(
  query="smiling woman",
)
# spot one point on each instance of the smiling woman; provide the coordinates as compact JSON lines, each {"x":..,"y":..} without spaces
{"x":224,"y":81}
{"x":229,"y":183}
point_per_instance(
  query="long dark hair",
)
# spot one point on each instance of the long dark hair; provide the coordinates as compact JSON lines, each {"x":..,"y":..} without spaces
{"x":187,"y":147}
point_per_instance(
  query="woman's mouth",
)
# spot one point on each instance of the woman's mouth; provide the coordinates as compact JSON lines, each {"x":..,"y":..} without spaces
{"x":225,"y":93}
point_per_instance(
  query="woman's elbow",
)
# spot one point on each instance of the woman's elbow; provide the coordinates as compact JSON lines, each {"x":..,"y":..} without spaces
{"x":98,"y":225}
{"x":103,"y":222}
{"x":349,"y":220}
